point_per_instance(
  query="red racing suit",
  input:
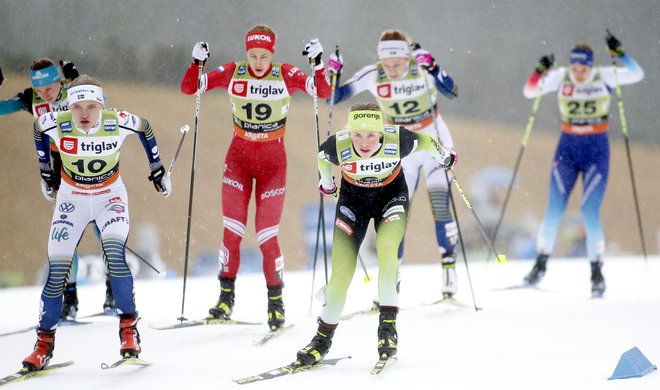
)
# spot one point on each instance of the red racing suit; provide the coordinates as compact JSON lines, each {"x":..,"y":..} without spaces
{"x":256,"y":154}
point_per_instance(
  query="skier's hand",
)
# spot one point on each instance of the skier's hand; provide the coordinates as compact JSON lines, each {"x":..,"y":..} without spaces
{"x":1,"y":77}
{"x":48,"y":192}
{"x":423,"y":58}
{"x":326,"y":189}
{"x":69,"y":70}
{"x":201,"y":53}
{"x":313,"y":51}
{"x":335,"y":64}
{"x":449,"y":159}
{"x":545,"y":63}
{"x":161,"y":181}
{"x":614,"y":45}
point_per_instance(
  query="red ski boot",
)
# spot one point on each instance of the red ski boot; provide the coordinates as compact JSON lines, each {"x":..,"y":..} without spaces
{"x":43,"y":350}
{"x":129,"y":335}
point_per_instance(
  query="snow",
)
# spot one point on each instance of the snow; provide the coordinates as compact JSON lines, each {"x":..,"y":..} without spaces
{"x":551,"y":338}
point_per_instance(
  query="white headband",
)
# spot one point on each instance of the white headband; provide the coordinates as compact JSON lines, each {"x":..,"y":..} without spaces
{"x":85,"y":92}
{"x":387,"y":49}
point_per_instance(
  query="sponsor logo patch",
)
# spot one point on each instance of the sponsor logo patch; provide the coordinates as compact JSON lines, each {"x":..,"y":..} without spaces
{"x":344,"y":226}
{"x":239,"y":88}
{"x":67,"y":207}
{"x":567,"y":90}
{"x":346,"y":154}
{"x":65,"y":127}
{"x":347,"y":212}
{"x":69,"y":145}
{"x":384,"y":90}
{"x":110,"y":124}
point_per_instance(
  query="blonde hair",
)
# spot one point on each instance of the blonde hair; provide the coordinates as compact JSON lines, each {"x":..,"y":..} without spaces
{"x":84,"y":79}
{"x":261,"y":28}
{"x":583,"y":46}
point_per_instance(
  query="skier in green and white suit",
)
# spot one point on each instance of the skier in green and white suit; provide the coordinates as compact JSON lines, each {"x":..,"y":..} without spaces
{"x":373,"y":186}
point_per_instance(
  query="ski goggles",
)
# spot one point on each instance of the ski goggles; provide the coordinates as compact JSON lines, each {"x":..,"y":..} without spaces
{"x":389,"y":49}
{"x":46,"y":76}
{"x":365,"y":120}
{"x":582,"y":57}
{"x":85,"y":92}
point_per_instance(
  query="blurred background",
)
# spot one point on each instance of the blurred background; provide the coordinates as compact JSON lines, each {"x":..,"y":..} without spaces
{"x":141,"y":49}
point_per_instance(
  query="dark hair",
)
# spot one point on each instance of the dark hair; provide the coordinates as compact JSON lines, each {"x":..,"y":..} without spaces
{"x":365,"y":107}
{"x":393,"y":35}
{"x":262,"y":28}
{"x":41,"y":63}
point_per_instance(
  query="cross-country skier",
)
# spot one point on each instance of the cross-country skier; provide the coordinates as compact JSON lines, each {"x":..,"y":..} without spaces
{"x":89,"y":138}
{"x":583,"y":92}
{"x":48,"y":94}
{"x":260,"y":92}
{"x":373,"y":186}
{"x":400,"y":83}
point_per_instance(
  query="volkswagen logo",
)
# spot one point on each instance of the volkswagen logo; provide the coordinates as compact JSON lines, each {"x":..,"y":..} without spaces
{"x":67,"y":207}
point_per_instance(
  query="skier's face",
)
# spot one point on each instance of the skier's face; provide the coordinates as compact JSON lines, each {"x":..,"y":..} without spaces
{"x":49,"y":92}
{"x":85,"y":114}
{"x":259,"y":60}
{"x":366,"y":142}
{"x":395,"y":67}
{"x":580,"y":72}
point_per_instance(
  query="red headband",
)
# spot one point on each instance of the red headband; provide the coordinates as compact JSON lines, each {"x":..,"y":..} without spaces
{"x":260,"y":39}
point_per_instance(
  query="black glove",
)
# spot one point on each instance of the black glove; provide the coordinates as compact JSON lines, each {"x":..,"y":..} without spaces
{"x":613,"y":44}
{"x":1,"y":77}
{"x":69,"y":70}
{"x":157,"y":178}
{"x":545,"y":63}
{"x":48,"y":176}
{"x":57,"y":170}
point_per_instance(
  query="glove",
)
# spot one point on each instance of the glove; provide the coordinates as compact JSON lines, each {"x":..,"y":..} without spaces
{"x":161,"y":181}
{"x":613,"y":44}
{"x":424,"y":59}
{"x":313,"y":51}
{"x":48,"y":192}
{"x":328,"y":191}
{"x":200,"y":53}
{"x":545,"y":63}
{"x":450,"y":159}
{"x":335,"y":64}
{"x":69,"y":70}
{"x":1,"y":77}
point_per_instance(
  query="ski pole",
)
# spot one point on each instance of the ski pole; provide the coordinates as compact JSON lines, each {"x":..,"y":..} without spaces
{"x":184,"y":130}
{"x":500,"y":258}
{"x":318,"y":147}
{"x":192,"y":186}
{"x":416,"y":46}
{"x":624,"y":130}
{"x":142,"y":259}
{"x":523,"y":145}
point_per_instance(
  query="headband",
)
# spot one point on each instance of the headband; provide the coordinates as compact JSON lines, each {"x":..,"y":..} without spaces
{"x":582,"y":57}
{"x":387,"y":49}
{"x":260,"y":39}
{"x":85,"y":92}
{"x":45,"y":76}
{"x":365,"y":120}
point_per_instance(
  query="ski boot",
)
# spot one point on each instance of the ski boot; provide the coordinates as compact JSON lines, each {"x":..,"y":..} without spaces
{"x":387,"y":336}
{"x":318,"y":347}
{"x":129,"y":335}
{"x":536,"y":274}
{"x":109,"y":306}
{"x":70,"y":303}
{"x":43,"y":351}
{"x":449,"y":277}
{"x":224,"y":307}
{"x":275,"y":308}
{"x":597,"y":279}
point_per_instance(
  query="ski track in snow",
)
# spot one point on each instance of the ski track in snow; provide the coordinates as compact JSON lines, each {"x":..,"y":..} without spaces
{"x":553,"y":338}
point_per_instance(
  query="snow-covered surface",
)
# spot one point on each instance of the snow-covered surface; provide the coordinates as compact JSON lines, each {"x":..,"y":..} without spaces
{"x":555,"y":338}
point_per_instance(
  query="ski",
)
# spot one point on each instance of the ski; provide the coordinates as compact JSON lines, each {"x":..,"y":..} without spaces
{"x":359,"y":313}
{"x":521,"y":287}
{"x":33,"y":327}
{"x":448,"y":301}
{"x":272,"y":334}
{"x":132,"y":361}
{"x":205,"y":321}
{"x":24,"y":374}
{"x":382,"y":362}
{"x":286,"y":370}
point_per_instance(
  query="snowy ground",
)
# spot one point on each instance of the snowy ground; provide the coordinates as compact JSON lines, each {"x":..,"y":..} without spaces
{"x":522,"y":339}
